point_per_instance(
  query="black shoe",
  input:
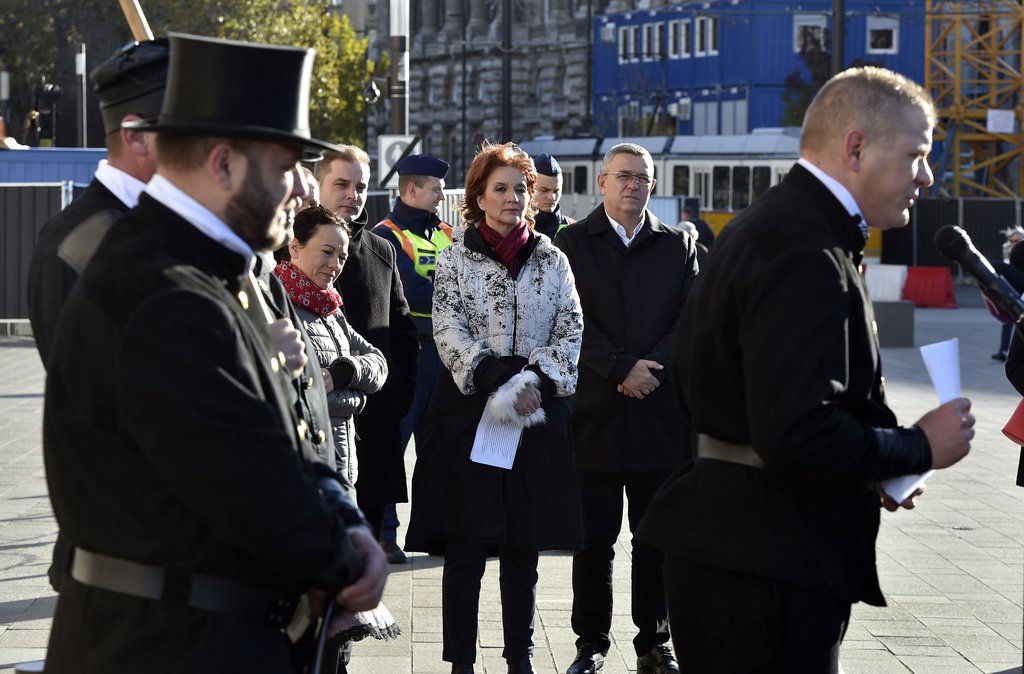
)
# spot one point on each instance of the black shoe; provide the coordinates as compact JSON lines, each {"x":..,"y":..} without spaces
{"x":394,"y":553}
{"x":522,"y":666}
{"x":589,"y":659}
{"x":658,"y":660}
{"x":1000,"y":356}
{"x":462,"y":669}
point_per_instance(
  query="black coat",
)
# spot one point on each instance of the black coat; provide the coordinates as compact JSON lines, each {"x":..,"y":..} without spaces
{"x":50,"y":278}
{"x":631,"y":298}
{"x":779,"y":352}
{"x":170,"y":440}
{"x":376,"y":308}
{"x":1015,"y":373}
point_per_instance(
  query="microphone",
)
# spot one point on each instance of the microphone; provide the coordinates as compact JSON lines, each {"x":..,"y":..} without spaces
{"x":953,"y":242}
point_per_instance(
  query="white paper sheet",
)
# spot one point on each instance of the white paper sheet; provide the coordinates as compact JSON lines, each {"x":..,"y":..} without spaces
{"x":942,"y":360}
{"x":496,"y":442}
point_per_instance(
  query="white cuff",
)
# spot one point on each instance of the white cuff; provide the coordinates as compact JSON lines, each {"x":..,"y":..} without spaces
{"x":502,"y":403}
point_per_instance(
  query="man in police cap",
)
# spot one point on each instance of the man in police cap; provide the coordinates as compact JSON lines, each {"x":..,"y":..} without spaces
{"x":418,"y":236}
{"x":130,"y":86}
{"x":171,"y":439}
{"x":548,"y":192}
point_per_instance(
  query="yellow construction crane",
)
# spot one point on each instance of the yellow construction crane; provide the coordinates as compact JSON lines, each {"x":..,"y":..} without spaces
{"x":973,"y":70}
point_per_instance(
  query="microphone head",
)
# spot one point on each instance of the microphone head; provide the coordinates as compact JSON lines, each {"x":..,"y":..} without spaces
{"x":952,"y":242}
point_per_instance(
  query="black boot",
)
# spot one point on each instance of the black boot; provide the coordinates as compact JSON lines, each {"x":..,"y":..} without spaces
{"x":462,"y":669}
{"x":523,"y":665}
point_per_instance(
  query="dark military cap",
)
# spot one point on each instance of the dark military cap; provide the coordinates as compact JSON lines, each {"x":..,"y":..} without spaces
{"x":547,"y":165}
{"x":132,"y":82}
{"x":422,"y":165}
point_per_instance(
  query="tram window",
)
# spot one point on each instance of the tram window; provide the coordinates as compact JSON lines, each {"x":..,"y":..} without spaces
{"x":762,"y":180}
{"x":681,"y":181}
{"x":721,"y":187}
{"x":740,"y":187}
{"x":579,"y":180}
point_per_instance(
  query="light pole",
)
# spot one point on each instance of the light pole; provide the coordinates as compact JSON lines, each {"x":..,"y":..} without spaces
{"x":5,"y":94}
{"x":506,"y":71}
{"x":82,"y":88}
{"x":399,"y":94}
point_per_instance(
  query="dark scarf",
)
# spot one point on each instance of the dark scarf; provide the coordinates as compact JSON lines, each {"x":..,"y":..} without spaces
{"x":304,"y":293}
{"x":507,"y":248}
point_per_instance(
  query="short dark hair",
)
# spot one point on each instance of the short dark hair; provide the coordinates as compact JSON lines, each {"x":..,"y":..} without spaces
{"x":308,"y":220}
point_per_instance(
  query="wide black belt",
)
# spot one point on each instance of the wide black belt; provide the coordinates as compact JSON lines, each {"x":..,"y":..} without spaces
{"x":196,"y":590}
{"x":713,"y":448}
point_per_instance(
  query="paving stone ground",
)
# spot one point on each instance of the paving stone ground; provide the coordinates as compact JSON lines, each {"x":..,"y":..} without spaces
{"x":953,"y":569}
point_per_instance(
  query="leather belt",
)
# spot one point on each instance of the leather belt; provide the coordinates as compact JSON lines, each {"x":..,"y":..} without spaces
{"x":181,"y":587}
{"x":713,"y":448}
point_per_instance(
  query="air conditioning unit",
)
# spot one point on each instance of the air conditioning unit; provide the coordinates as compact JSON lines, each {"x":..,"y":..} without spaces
{"x":683,"y":109}
{"x":608,"y":33}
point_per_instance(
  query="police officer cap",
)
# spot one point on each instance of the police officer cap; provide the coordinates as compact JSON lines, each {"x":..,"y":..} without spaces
{"x":422,"y":165}
{"x":547,"y":165}
{"x":132,"y":82}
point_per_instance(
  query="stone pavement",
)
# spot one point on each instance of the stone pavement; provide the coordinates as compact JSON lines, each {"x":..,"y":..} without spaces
{"x":953,"y":569}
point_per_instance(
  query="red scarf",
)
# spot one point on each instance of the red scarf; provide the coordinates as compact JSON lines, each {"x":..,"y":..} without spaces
{"x":306,"y":294}
{"x":507,"y":248}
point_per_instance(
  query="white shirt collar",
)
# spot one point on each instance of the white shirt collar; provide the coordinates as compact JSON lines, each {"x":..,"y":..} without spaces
{"x":621,"y":231}
{"x":838,"y":190}
{"x":200,"y":217}
{"x":125,"y":187}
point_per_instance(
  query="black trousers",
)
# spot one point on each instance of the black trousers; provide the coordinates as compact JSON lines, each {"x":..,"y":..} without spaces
{"x":460,"y":600}
{"x":601,"y":495}
{"x":725,"y":622}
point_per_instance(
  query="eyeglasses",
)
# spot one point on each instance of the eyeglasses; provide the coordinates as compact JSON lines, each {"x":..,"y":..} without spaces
{"x":639,"y":179}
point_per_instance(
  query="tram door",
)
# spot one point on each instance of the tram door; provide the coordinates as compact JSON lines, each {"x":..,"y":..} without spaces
{"x":702,"y":186}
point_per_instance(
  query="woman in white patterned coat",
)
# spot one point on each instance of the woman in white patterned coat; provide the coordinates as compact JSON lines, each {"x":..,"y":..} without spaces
{"x":508,"y":328}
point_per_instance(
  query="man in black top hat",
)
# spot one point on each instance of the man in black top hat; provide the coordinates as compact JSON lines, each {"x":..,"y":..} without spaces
{"x":130,"y":86}
{"x":549,"y":219}
{"x":418,"y":236}
{"x":171,"y":438}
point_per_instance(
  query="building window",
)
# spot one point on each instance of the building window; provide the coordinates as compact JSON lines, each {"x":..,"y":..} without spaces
{"x":659,"y":35}
{"x":673,"y":39}
{"x":702,"y":36}
{"x":634,"y":39}
{"x":625,"y":48}
{"x":649,"y":47}
{"x":685,"y":42}
{"x":808,"y":31}
{"x":711,"y":26}
{"x":883,"y":35}
{"x":681,"y":181}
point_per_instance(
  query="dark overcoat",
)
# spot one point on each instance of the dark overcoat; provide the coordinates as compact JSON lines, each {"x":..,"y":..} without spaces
{"x":632,"y":298}
{"x":376,"y":308}
{"x":170,"y":440}
{"x":780,"y":352}
{"x":50,"y":278}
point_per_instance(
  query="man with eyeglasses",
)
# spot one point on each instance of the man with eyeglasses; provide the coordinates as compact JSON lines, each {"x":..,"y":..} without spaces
{"x":633,"y":274}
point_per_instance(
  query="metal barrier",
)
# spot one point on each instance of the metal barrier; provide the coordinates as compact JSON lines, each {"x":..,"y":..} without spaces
{"x":24,"y":209}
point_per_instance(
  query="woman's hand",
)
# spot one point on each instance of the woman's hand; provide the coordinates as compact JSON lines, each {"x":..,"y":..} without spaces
{"x":328,"y":380}
{"x":528,"y":401}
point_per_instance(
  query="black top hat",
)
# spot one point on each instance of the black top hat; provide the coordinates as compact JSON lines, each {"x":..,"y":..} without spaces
{"x":131,"y":82}
{"x":237,"y":89}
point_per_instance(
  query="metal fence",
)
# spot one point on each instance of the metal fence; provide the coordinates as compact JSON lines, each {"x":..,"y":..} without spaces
{"x":983,"y":219}
{"x":24,"y":208}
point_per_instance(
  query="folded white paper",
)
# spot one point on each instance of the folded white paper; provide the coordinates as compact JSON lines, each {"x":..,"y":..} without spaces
{"x":942,"y":360}
{"x":496,"y":442}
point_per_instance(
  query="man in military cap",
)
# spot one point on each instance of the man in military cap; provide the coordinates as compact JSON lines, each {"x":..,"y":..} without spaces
{"x":549,"y":219}
{"x":418,"y":236}
{"x":171,"y":439}
{"x":130,"y":86}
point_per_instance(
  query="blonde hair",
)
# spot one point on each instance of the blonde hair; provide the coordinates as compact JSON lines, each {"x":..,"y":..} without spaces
{"x":869,"y":98}
{"x":349,"y":153}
